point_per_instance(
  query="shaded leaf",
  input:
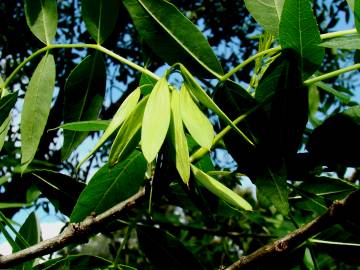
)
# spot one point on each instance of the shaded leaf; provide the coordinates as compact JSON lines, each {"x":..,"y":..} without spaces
{"x":41,"y":17}
{"x":129,"y":134}
{"x":7,"y":102}
{"x":220,"y":190}
{"x":100,"y":17}
{"x":299,"y":31}
{"x":110,"y":185}
{"x":78,"y":262}
{"x":92,"y":125}
{"x":356,"y":8}
{"x":267,"y":13}
{"x":37,"y":103}
{"x":4,"y":128}
{"x":164,"y":250}
{"x":343,"y":42}
{"x":156,"y":120}
{"x":84,"y":94}
{"x":162,"y":26}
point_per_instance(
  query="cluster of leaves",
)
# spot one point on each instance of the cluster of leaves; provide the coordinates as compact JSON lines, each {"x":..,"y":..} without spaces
{"x":161,"y":136}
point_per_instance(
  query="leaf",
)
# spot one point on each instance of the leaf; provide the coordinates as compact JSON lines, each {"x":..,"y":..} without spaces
{"x":162,"y":26}
{"x":200,"y":94}
{"x":165,"y":251}
{"x":30,"y":232}
{"x":37,"y":103}
{"x":120,"y":116}
{"x":128,"y":136}
{"x":111,"y":185}
{"x":156,"y":120}
{"x":336,"y":141}
{"x":350,"y":42}
{"x":267,"y":13}
{"x":42,"y":17}
{"x":84,"y":94}
{"x":61,"y":190}
{"x":178,"y":139}
{"x":92,"y":125}
{"x":299,"y":31}
{"x":351,"y":3}
{"x":100,"y":17}
{"x":220,"y":190}
{"x":4,"y":128}
{"x":343,"y":98}
{"x":13,"y":205}
{"x":308,"y":260}
{"x":357,"y":15}
{"x":7,"y":102}
{"x":78,"y":262}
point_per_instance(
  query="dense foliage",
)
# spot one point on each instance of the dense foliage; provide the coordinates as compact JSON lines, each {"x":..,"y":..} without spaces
{"x":183,"y":103}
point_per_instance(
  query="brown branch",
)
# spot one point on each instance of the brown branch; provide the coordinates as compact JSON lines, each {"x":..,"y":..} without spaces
{"x":336,"y":213}
{"x":74,"y":233}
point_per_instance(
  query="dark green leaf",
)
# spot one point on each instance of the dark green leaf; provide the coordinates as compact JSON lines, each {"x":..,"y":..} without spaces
{"x":77,"y":262}
{"x":357,"y":15}
{"x":165,"y":251}
{"x":162,"y":26}
{"x":350,"y":42}
{"x":111,"y":185}
{"x":37,"y":103}
{"x":62,"y":190}
{"x":267,"y":13}
{"x":6,"y":104}
{"x":100,"y":17}
{"x":4,"y":128}
{"x":84,"y":94}
{"x":41,"y":17}
{"x":92,"y":125}
{"x":299,"y":31}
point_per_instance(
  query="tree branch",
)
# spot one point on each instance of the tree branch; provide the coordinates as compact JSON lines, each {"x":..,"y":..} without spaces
{"x":74,"y":233}
{"x":336,"y":213}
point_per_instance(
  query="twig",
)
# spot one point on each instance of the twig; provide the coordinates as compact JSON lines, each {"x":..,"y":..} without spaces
{"x":74,"y":233}
{"x":337,"y":212}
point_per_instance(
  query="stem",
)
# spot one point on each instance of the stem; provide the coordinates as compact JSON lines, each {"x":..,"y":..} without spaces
{"x":338,"y":33}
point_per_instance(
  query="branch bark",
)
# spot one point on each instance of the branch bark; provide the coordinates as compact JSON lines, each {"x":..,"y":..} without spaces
{"x":336,"y":213}
{"x":74,"y":233}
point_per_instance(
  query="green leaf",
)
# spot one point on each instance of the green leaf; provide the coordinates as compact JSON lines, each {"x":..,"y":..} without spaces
{"x":120,"y":116}
{"x":37,"y":103}
{"x":267,"y":13}
{"x":128,"y":136}
{"x":84,"y":94}
{"x":351,"y":42}
{"x":308,"y":260}
{"x":156,"y":120}
{"x":299,"y":31}
{"x":41,"y":17}
{"x":4,"y":128}
{"x":162,"y":26}
{"x":351,"y":3}
{"x":100,"y":17}
{"x":30,"y":232}
{"x":220,"y":190}
{"x":357,"y":15}
{"x":92,"y":125}
{"x":7,"y":102}
{"x":178,"y":139}
{"x":13,"y":205}
{"x":111,"y":185}
{"x":78,"y":262}
{"x":192,"y":85}
{"x":344,"y":98}
{"x":165,"y":251}
{"x":195,"y":121}
{"x":61,"y":190}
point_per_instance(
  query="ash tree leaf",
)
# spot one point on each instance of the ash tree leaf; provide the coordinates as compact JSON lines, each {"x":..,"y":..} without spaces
{"x":91,"y":125}
{"x":111,"y":185}
{"x":100,"y":17}
{"x":220,"y":190}
{"x":351,"y":42}
{"x":120,"y":116}
{"x":42,"y":17}
{"x":156,"y":120}
{"x":37,"y":103}
{"x":7,"y":102}
{"x":84,"y":94}
{"x":165,"y":251}
{"x":267,"y":13}
{"x":195,"y":121}
{"x":299,"y":31}
{"x":178,"y":139}
{"x":163,"y":26}
{"x":129,"y":134}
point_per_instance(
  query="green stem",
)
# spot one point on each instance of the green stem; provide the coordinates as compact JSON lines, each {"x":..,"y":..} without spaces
{"x":123,"y":243}
{"x":338,"y":33}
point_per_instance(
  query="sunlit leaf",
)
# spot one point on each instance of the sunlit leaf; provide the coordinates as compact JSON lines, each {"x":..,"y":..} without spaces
{"x":41,"y":17}
{"x":163,"y":26}
{"x":36,"y":108}
{"x":351,"y":42}
{"x":84,"y":94}
{"x":156,"y":120}
{"x":111,"y":185}
{"x":100,"y":17}
{"x":91,"y":125}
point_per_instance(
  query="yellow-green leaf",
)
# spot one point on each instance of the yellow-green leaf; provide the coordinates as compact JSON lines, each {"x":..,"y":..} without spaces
{"x":195,"y":121}
{"x":156,"y":120}
{"x":220,"y":190}
{"x":178,"y":139}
